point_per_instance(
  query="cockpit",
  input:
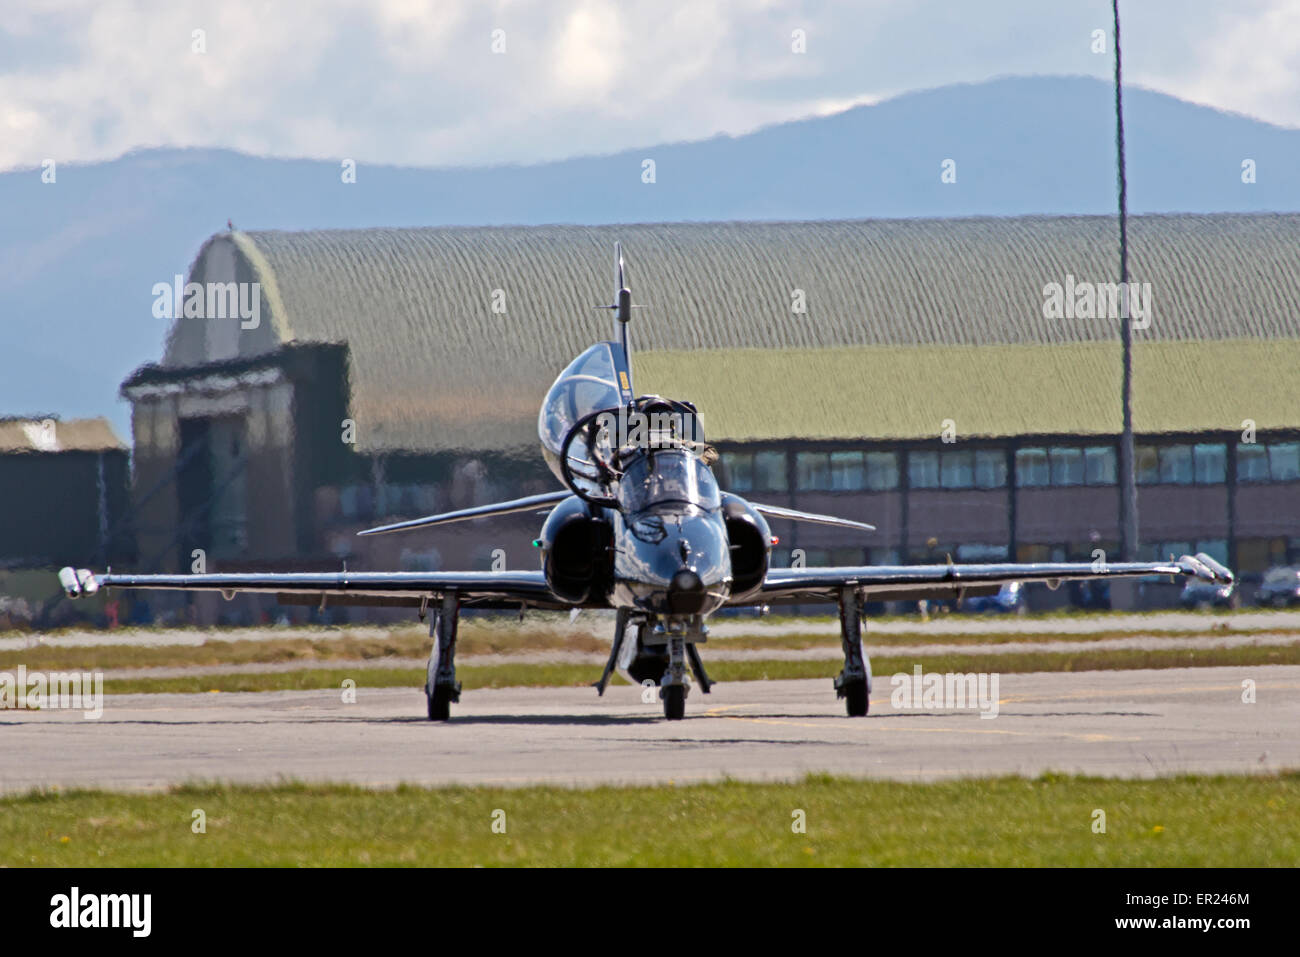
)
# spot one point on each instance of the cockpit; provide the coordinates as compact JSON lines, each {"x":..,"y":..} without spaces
{"x":667,"y":476}
{"x":611,"y":449}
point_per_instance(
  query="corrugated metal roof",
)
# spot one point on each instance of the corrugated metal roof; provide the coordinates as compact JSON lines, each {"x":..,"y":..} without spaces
{"x":55,"y":435}
{"x":433,"y":366}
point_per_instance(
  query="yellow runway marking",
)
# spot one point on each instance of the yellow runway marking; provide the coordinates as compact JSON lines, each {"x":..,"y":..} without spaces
{"x":1101,"y":692}
{"x":833,"y":721}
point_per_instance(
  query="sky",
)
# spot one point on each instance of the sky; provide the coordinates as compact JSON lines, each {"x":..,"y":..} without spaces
{"x":475,"y":82}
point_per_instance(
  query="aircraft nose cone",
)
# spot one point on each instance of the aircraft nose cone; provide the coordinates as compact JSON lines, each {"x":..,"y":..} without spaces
{"x":686,"y":593}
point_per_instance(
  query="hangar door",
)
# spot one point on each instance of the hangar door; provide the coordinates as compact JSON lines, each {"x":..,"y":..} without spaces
{"x":212,"y":486}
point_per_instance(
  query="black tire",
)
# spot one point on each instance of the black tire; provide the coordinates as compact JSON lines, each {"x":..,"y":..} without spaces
{"x":675,"y":702}
{"x":856,"y":701}
{"x":439,"y":703}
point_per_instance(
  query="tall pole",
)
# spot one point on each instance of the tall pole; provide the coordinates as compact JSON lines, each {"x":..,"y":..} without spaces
{"x":1127,"y":451}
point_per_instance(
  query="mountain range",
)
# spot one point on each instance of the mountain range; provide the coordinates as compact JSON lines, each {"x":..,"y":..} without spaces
{"x":80,"y":256}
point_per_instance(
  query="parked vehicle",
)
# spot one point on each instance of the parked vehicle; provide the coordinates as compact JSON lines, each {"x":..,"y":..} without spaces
{"x":1280,"y":587}
{"x":1092,"y":595}
{"x":1010,"y":599}
{"x":1199,"y":594}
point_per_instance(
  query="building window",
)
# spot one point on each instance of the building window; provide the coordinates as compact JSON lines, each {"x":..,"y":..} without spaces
{"x":1252,"y":463}
{"x":847,"y":472}
{"x":1176,"y":465}
{"x":957,"y":469}
{"x":990,"y":468}
{"x":1259,"y":554}
{"x":1163,"y":551}
{"x":813,"y":471}
{"x":1147,"y":466}
{"x":1037,"y":553}
{"x":923,"y":469}
{"x":1211,"y":461}
{"x":769,"y":471}
{"x":755,"y":471}
{"x":1067,"y":466}
{"x":1099,"y":467}
{"x":1284,"y":461}
{"x":882,"y":471}
{"x":978,"y":552}
{"x":1031,"y":468}
{"x":740,"y":470}
{"x":1216,"y":548}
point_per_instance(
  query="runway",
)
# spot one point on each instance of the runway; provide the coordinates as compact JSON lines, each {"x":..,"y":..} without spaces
{"x":1113,"y":723}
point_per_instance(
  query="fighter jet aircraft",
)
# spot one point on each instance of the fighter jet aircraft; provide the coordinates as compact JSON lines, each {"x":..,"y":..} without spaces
{"x":643,"y":528}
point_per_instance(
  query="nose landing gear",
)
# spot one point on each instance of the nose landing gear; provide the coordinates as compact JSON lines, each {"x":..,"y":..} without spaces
{"x":679,"y":637}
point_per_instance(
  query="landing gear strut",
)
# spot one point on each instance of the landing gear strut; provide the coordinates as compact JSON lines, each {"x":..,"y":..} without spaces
{"x":441,"y":687}
{"x":672,"y":688}
{"x":678,"y":638}
{"x":853,"y":683}
{"x":620,"y":634}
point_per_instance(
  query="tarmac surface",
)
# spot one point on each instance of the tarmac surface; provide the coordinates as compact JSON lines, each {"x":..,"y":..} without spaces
{"x":1112,"y":723}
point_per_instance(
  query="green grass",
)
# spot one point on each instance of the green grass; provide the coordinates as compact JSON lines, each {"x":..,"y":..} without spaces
{"x":1172,"y":822}
{"x":570,"y":675}
{"x":413,"y":643}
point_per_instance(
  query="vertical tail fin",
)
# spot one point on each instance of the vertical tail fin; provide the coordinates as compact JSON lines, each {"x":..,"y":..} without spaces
{"x":622,"y":312}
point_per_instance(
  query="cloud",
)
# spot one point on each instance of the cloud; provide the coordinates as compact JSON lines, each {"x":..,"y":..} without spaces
{"x":417,"y":83}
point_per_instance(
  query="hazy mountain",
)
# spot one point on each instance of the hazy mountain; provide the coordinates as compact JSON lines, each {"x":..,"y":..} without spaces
{"x":78,"y":258}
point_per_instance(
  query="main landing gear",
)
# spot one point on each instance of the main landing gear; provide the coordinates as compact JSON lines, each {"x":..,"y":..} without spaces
{"x":853,"y":683}
{"x":441,"y":687}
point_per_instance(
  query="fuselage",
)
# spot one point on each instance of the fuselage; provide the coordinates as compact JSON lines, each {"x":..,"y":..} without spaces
{"x":671,"y":559}
{"x":671,"y":546}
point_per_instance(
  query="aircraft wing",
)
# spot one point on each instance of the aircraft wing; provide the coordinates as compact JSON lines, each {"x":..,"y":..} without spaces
{"x":794,"y":515}
{"x":913,"y":582}
{"x":543,"y":502}
{"x":503,"y":589}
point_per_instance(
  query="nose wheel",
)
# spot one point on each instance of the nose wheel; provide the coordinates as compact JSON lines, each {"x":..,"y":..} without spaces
{"x":673,"y":685}
{"x":674,"y":702}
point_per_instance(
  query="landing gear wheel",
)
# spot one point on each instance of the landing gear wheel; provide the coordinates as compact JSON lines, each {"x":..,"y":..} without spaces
{"x":674,"y":702}
{"x":855,"y":699}
{"x":439,"y":703}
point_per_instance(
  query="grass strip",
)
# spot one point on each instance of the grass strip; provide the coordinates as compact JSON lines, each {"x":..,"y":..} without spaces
{"x":569,"y":675}
{"x":1185,"y":821}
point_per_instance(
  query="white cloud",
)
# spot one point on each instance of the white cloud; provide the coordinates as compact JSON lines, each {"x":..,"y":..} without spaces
{"x":416,"y":83}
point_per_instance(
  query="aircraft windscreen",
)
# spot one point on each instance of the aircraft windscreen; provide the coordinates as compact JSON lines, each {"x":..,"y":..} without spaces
{"x":589,"y":384}
{"x":677,"y":476}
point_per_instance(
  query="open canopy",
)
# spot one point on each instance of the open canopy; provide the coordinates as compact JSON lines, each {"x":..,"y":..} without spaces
{"x":589,"y":384}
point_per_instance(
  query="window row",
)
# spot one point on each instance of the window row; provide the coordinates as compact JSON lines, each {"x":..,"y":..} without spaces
{"x":1094,"y":465}
{"x":1268,"y":462}
{"x":1035,"y":467}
